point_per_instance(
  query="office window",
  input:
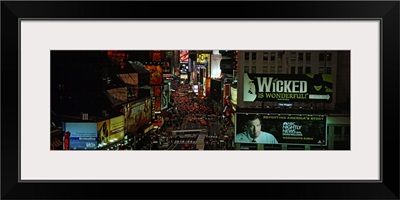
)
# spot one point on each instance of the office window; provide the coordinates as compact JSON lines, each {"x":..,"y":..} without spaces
{"x":321,"y":70}
{"x":308,"y":56}
{"x":254,"y":56}
{"x":299,"y":70}
{"x":280,"y":54}
{"x":293,"y":56}
{"x":308,"y":70}
{"x":272,"y":56}
{"x":329,"y":56}
{"x":265,"y":69}
{"x":321,"y":56}
{"x":329,"y":70}
{"x":272,"y":70}
{"x":265,"y":56}
{"x":246,"y":55}
{"x":300,"y":56}
{"x":293,"y":70}
{"x":280,"y":70}
{"x":253,"y":69}
{"x":246,"y":69}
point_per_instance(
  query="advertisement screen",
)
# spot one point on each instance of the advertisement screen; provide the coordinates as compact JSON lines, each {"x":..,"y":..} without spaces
{"x":287,"y":87}
{"x":184,"y":56}
{"x":203,"y":59}
{"x":103,"y":131}
{"x":137,"y":114}
{"x":83,"y":135}
{"x":116,"y":129}
{"x":265,"y":128}
{"x":156,"y":75}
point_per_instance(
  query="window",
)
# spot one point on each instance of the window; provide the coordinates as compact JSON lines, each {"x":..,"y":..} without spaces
{"x":265,"y":56}
{"x":280,"y":56}
{"x":246,"y":55}
{"x":321,"y":56}
{"x":253,"y":69}
{"x":293,"y":56}
{"x":329,"y":56}
{"x":272,"y":56}
{"x":246,"y":69}
{"x":300,"y":56}
{"x":293,"y":70}
{"x":280,"y":70}
{"x":265,"y":69}
{"x":308,"y":70}
{"x":272,"y":70}
{"x":329,"y":70}
{"x":254,"y":56}
{"x":300,"y":70}
{"x":308,"y":56}
{"x":321,"y":70}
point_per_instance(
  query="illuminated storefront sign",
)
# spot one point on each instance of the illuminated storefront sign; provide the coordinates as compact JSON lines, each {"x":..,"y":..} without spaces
{"x":287,"y":87}
{"x":298,"y":129}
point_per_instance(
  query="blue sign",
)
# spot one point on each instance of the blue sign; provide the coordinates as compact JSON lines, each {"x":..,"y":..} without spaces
{"x":83,"y":135}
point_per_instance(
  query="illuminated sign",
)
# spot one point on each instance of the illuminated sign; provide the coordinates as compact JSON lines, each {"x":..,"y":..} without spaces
{"x":83,"y":135}
{"x":137,"y":115}
{"x":266,"y":128}
{"x":156,"y":74}
{"x":287,"y":87}
{"x":116,"y":129}
{"x":184,"y":56}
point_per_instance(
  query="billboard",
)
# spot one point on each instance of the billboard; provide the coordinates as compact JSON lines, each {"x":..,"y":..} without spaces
{"x":287,"y":87}
{"x":103,"y":130}
{"x":267,"y":128}
{"x":184,"y":56}
{"x":215,"y":65}
{"x":83,"y":135}
{"x":203,"y":59}
{"x":116,"y":129}
{"x":137,"y":114}
{"x":156,"y":74}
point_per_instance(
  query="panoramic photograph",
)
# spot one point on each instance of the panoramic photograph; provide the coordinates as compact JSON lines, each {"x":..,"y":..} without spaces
{"x":221,"y":100}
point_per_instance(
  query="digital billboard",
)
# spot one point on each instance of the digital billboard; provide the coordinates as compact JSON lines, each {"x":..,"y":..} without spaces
{"x":203,"y":59}
{"x":156,"y":74}
{"x":287,"y":87}
{"x":116,"y":129}
{"x":137,"y":114}
{"x":83,"y":135}
{"x":103,"y":131}
{"x":184,"y":56}
{"x":267,"y":128}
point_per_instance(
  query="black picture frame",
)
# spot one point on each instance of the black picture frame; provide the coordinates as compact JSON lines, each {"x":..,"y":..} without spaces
{"x":386,"y":11}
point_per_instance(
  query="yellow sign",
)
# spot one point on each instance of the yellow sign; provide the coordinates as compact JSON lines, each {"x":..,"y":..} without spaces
{"x":116,"y":129}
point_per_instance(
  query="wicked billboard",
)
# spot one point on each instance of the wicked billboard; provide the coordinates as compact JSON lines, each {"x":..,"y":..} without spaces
{"x":287,"y":87}
{"x":267,"y":128}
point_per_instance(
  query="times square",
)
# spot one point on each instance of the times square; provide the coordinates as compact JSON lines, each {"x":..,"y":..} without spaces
{"x":199,"y":99}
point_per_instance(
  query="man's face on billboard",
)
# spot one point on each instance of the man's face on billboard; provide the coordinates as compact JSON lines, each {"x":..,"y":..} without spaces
{"x":254,"y":128}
